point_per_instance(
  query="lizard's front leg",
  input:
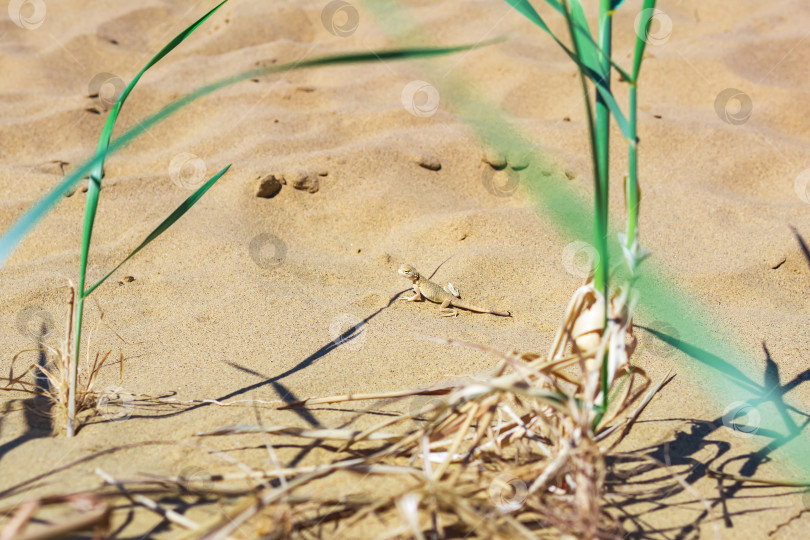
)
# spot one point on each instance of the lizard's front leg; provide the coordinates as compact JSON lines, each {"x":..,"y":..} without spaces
{"x":446,"y":311}
{"x":417,"y":295}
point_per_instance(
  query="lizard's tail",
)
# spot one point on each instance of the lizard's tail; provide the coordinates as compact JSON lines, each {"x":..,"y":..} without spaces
{"x":470,"y":307}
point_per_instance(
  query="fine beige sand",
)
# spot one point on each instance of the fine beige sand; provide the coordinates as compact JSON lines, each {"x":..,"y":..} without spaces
{"x":241,"y":300}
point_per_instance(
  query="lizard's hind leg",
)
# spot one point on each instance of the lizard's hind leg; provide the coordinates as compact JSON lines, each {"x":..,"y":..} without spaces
{"x":446,"y":311}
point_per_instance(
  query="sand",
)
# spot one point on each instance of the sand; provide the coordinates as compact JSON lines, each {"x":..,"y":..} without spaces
{"x":242,"y":298}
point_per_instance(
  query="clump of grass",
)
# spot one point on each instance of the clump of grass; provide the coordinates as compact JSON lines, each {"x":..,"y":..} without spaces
{"x":55,"y":387}
{"x":507,"y":454}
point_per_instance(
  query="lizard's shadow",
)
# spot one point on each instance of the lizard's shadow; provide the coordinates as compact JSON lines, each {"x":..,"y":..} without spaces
{"x":344,"y":338}
{"x":285,"y":394}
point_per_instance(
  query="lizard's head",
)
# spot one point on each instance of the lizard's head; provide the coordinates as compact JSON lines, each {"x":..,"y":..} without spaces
{"x":408,"y":271}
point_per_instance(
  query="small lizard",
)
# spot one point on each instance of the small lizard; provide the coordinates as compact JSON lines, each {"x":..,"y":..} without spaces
{"x":447,"y":297}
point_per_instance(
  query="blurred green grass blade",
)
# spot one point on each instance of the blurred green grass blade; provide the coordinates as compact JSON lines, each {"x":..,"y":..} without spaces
{"x":20,"y":228}
{"x":168,"y":222}
{"x":94,"y":186}
{"x":527,"y":10}
{"x":14,"y":234}
{"x":647,"y":11}
{"x":585,"y":43}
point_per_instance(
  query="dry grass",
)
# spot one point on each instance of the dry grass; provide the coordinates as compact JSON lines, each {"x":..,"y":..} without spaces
{"x":512,"y":453}
{"x":54,"y":365}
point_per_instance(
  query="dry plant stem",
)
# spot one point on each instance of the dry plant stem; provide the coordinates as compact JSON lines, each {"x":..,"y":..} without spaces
{"x":474,"y":520}
{"x":270,"y":450}
{"x":248,"y":509}
{"x":335,"y":434}
{"x":73,"y":356}
{"x":22,"y":516}
{"x":551,"y":470}
{"x":356,"y":464}
{"x":489,"y":407}
{"x":148,"y":503}
{"x":456,"y":443}
{"x":71,"y":366}
{"x":361,"y":397}
{"x":618,"y":407}
{"x":563,"y":335}
{"x":630,"y":420}
{"x":143,"y":487}
{"x":87,"y":520}
{"x":369,"y":433}
{"x":540,"y":363}
{"x":427,"y":467}
{"x":368,"y":510}
{"x":96,"y":518}
{"x":685,"y":485}
{"x":714,"y":473}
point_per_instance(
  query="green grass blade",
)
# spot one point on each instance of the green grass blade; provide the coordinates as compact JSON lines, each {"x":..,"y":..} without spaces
{"x":527,"y":10}
{"x":586,"y":46}
{"x":590,"y":53}
{"x":583,"y":36}
{"x":168,"y":222}
{"x":641,"y":34}
{"x":610,"y":102}
{"x":632,"y":251}
{"x":91,"y":204}
{"x":96,"y":172}
{"x":14,"y":234}
{"x":601,"y":279}
{"x":109,"y":125}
